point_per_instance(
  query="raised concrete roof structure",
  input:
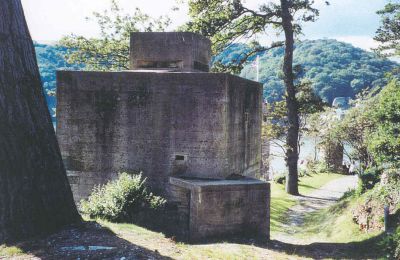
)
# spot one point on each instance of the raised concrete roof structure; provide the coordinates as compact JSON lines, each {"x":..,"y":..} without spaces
{"x":182,"y":51}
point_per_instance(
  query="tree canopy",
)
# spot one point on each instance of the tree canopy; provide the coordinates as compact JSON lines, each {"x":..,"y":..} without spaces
{"x":388,"y":34}
{"x":110,"y":51}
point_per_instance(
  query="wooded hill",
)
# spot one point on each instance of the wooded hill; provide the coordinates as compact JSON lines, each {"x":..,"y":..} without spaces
{"x":336,"y":69}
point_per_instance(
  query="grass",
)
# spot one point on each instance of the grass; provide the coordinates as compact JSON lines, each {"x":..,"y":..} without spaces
{"x":335,"y":224}
{"x":165,"y":246}
{"x":281,"y":201}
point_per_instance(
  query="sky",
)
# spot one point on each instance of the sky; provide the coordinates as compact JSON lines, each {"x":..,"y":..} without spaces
{"x":352,"y":21}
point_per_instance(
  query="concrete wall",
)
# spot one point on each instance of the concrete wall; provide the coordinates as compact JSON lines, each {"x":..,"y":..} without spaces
{"x":164,"y":124}
{"x":223,"y":208}
{"x":244,"y":110}
{"x":183,"y":47}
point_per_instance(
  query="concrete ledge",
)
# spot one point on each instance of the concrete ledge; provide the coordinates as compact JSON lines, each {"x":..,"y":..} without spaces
{"x":210,"y":184}
{"x":219,"y":208}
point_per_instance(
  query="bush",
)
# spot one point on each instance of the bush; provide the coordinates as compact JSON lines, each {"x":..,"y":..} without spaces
{"x":121,"y":200}
{"x":315,"y":167}
{"x":368,"y":179}
{"x":280,"y":178}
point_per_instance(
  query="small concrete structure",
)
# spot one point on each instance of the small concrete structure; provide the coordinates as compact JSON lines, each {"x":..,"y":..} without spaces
{"x":182,"y":51}
{"x":169,"y":120}
{"x":223,"y":207}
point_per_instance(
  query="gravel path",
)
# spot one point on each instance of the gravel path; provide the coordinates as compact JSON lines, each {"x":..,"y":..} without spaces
{"x":321,"y":198}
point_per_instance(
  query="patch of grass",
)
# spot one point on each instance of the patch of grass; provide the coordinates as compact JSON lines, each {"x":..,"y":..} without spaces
{"x":281,"y":201}
{"x":335,"y":224}
{"x":12,"y":251}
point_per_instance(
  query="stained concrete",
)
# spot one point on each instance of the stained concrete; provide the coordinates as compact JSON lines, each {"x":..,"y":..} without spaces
{"x":183,"y":51}
{"x":219,"y":208}
{"x":203,"y":125}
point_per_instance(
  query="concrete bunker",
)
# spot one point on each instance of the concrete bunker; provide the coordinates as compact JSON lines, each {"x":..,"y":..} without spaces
{"x":195,"y":135}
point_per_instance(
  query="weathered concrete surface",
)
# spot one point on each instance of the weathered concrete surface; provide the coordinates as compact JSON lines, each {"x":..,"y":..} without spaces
{"x":179,"y":50}
{"x":224,"y":207}
{"x":205,"y":125}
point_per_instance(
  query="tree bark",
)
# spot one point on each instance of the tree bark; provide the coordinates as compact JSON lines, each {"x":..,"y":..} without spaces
{"x":292,"y":155}
{"x":35,"y":197}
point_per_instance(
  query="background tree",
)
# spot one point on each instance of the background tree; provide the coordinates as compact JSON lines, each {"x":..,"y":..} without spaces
{"x":228,"y":22}
{"x":388,"y":34}
{"x":309,"y":104}
{"x":384,"y":138}
{"x":35,"y":196}
{"x":111,"y":50}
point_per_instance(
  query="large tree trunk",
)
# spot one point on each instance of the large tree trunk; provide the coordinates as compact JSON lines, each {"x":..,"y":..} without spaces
{"x":292,"y":155}
{"x":35,"y":196}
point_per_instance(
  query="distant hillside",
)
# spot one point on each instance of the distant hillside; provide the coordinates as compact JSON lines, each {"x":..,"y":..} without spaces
{"x":50,"y":58}
{"x":337,"y":69}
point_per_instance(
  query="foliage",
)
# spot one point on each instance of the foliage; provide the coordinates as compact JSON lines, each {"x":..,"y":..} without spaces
{"x":228,"y":22}
{"x":111,"y":50}
{"x":353,"y":131}
{"x":280,"y":178}
{"x":372,"y":130}
{"x":368,"y":179}
{"x":384,"y":139}
{"x":336,"y":69}
{"x":316,"y":167}
{"x":121,"y":199}
{"x":388,"y":34}
{"x":309,"y":103}
{"x":368,"y":212}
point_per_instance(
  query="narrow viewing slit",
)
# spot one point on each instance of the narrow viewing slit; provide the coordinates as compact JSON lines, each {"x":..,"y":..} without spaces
{"x":179,"y":157}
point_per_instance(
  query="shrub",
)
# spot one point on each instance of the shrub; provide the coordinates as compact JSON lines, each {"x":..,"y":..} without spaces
{"x":368,"y":179}
{"x":315,"y":167}
{"x":280,"y":178}
{"x":121,"y":200}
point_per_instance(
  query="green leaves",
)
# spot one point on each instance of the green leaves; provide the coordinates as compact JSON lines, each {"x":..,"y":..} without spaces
{"x":384,"y":139}
{"x":388,"y":34}
{"x":111,"y":50}
{"x":121,"y":199}
{"x":228,"y":22}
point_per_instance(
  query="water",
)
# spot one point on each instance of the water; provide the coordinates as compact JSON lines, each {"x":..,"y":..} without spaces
{"x":307,"y":152}
{"x":277,"y":161}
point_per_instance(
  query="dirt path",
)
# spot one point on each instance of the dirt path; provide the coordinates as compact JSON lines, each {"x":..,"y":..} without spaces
{"x":321,"y":198}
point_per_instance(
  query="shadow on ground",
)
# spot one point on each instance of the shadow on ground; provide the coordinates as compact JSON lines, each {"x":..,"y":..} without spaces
{"x":367,"y":249}
{"x":88,"y":240}
{"x":74,"y":242}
